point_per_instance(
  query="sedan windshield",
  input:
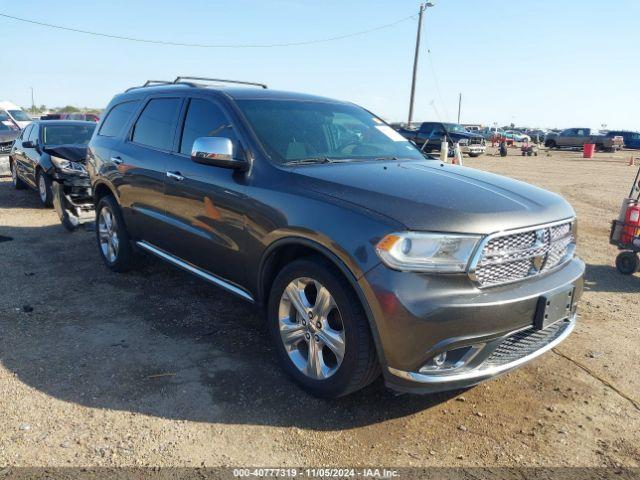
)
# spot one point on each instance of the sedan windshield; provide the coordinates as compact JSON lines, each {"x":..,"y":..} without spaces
{"x":20,"y":116}
{"x":293,"y":131}
{"x":454,"y":128}
{"x":67,"y":134}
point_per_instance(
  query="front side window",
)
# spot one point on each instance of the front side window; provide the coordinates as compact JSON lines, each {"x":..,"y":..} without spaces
{"x":33,"y":135}
{"x":24,"y":136}
{"x":117,"y":119}
{"x":156,"y":125}
{"x":292,"y":130}
{"x":204,"y":119}
{"x":67,"y":134}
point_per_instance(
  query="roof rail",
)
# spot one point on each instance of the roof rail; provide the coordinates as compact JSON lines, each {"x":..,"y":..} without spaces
{"x":183,"y":81}
{"x":205,"y":79}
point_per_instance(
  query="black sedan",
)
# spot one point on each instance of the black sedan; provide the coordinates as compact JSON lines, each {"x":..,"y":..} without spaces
{"x":50,"y":156}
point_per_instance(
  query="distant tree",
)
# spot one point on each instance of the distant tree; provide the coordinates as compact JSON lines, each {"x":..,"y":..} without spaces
{"x":70,"y":109}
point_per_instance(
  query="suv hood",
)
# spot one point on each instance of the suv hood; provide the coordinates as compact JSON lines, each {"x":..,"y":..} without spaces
{"x":435,"y":197}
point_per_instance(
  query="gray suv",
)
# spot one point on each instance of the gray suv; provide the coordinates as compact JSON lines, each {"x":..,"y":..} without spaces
{"x":367,"y":256}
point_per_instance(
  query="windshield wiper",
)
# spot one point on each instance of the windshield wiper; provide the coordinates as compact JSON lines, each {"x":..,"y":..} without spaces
{"x":309,"y":161}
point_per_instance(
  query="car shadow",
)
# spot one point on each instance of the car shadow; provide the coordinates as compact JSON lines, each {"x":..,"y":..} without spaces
{"x":155,"y":341}
{"x":606,"y":278}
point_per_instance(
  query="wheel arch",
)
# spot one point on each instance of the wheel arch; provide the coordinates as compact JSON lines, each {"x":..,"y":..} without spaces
{"x":100,"y":190}
{"x":288,"y":249}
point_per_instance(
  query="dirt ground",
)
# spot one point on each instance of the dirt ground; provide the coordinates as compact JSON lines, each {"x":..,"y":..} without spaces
{"x":156,"y":367}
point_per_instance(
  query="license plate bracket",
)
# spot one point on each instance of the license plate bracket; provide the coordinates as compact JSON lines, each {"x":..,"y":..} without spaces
{"x":553,"y":307}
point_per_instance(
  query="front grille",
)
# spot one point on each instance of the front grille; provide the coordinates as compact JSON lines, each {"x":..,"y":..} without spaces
{"x":523,"y":343}
{"x":476,"y":141}
{"x":5,"y":146}
{"x":511,"y":257}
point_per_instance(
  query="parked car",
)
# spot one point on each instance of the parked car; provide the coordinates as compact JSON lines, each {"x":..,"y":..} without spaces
{"x":49,"y":156}
{"x":428,"y":136}
{"x":630,"y":139}
{"x":517,"y":136}
{"x":15,"y":114}
{"x":578,"y":137}
{"x":536,"y":135}
{"x":7,"y":137}
{"x":88,"y":117}
{"x":365,"y":255}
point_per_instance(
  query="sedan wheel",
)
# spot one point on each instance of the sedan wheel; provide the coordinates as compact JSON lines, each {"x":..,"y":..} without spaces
{"x":108,"y":234}
{"x":42,"y":188}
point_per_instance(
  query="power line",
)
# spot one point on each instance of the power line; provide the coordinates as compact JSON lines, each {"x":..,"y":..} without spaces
{"x":203,"y":45}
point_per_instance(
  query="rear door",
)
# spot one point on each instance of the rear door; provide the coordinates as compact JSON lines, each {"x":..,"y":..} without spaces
{"x":18,"y":151}
{"x":205,"y":204}
{"x":142,"y":160}
{"x":32,"y":155}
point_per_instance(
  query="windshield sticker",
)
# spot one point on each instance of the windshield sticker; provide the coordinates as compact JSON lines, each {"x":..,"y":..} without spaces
{"x":391,"y":133}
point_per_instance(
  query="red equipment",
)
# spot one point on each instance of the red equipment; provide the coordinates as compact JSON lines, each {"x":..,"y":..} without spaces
{"x":631,"y":224}
{"x":625,"y":231}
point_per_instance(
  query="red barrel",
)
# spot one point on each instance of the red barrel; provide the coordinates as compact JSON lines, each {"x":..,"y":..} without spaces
{"x":588,"y":150}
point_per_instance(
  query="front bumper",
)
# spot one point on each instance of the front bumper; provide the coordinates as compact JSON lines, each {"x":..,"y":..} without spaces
{"x":419,"y":316}
{"x":473,"y":149}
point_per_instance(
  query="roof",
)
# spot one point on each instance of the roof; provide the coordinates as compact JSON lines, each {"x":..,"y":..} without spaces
{"x":237,"y":93}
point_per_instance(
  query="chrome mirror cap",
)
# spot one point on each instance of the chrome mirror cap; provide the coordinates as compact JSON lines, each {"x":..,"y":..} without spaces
{"x":217,"y":151}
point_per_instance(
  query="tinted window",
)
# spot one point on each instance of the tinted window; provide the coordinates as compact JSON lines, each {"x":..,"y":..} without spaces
{"x":117,"y":118}
{"x":25,"y":133}
{"x":204,"y":119}
{"x":33,"y":135}
{"x":296,"y":130}
{"x":156,"y":124}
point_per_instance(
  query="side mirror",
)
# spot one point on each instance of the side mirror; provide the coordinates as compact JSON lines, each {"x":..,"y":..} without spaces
{"x":216,"y":151}
{"x":29,"y":144}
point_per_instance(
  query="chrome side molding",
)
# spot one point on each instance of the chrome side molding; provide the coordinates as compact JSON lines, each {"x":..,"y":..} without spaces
{"x":195,"y":270}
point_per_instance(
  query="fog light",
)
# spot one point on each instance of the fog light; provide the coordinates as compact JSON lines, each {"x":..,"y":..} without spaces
{"x":439,"y":359}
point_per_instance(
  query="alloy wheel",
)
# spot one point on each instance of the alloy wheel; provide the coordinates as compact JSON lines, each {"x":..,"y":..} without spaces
{"x":42,"y":187}
{"x":108,"y":234}
{"x":311,"y":328}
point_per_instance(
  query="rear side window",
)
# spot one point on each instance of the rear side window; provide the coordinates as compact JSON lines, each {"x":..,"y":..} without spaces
{"x":117,"y":118}
{"x":204,"y":119}
{"x":156,"y":125}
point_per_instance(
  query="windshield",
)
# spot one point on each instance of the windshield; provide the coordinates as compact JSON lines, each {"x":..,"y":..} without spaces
{"x":67,"y":134}
{"x":19,"y":116}
{"x":297,"y":130}
{"x":455,"y":128}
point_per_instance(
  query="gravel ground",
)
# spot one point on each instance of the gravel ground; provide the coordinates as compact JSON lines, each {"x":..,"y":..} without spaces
{"x":157,"y":368}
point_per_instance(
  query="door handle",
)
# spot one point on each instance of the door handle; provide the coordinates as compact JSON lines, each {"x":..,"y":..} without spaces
{"x":116,"y":159}
{"x":175,"y":176}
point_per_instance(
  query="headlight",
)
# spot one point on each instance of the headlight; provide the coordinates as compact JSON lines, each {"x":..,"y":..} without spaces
{"x":67,"y":166}
{"x":427,"y":252}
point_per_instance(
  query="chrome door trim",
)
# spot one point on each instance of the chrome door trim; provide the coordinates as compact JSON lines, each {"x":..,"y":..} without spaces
{"x":195,"y":270}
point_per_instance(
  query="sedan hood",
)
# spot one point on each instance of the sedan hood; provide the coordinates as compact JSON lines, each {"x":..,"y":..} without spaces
{"x":8,"y":136}
{"x":73,"y":153}
{"x":436,"y":197}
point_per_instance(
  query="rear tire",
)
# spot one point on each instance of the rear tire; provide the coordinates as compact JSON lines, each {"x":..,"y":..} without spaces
{"x":627,"y":263}
{"x":45,"y":191}
{"x":300,"y":332}
{"x":17,"y":183}
{"x":114,"y":243}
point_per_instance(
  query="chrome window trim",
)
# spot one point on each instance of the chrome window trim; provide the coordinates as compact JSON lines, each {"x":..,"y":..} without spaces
{"x":477,"y":256}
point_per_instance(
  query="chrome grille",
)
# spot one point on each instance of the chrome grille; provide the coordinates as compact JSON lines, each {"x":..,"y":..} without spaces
{"x":510,"y":257}
{"x":524,"y":343}
{"x":6,"y":146}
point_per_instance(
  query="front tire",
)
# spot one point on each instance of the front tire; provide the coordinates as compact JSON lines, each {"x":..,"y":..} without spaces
{"x":322,"y":336}
{"x":114,"y":243}
{"x":45,"y":191}
{"x":627,"y":263}
{"x":550,"y":144}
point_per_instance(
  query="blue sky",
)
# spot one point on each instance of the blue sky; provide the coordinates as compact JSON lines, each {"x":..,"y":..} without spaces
{"x":535,"y":63}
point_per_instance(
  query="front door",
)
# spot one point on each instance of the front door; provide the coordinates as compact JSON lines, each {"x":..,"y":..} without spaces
{"x":205,"y":202}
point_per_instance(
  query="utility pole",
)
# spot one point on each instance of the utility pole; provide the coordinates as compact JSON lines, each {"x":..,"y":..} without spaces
{"x":33,"y":105}
{"x":459,"y":106}
{"x":423,"y":7}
